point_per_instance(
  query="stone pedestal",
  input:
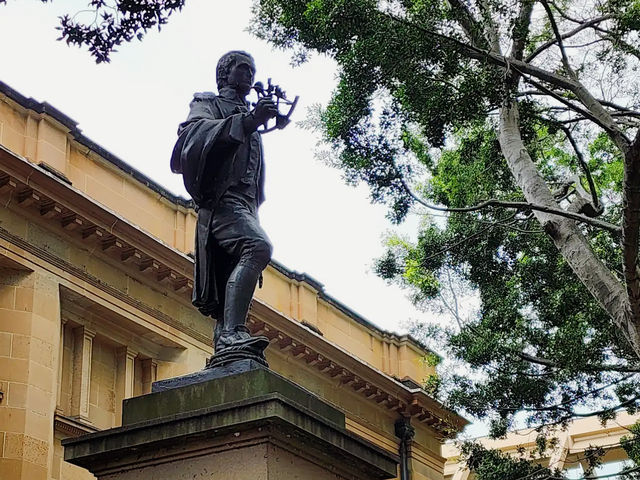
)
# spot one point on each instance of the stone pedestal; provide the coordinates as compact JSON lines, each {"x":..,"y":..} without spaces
{"x":249,"y":425}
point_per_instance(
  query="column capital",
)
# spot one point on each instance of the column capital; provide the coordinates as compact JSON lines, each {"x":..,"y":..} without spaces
{"x":128,"y":351}
{"x":87,"y":331}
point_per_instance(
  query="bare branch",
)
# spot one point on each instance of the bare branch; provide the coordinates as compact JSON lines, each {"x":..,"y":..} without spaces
{"x":620,"y":109}
{"x":458,"y":243}
{"x":586,"y":114}
{"x":520,"y":206}
{"x":556,"y":32}
{"x":575,"y":31}
{"x":585,"y":168}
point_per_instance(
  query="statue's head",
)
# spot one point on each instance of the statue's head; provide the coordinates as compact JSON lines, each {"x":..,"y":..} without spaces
{"x":230,"y":60}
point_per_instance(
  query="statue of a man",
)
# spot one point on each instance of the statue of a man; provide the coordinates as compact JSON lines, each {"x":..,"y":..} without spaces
{"x":219,"y":153}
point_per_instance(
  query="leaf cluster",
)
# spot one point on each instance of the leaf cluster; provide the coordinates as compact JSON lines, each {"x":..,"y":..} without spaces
{"x":113,"y":22}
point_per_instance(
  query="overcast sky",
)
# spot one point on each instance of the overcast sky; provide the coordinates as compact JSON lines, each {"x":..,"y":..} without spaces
{"x":133,"y":105}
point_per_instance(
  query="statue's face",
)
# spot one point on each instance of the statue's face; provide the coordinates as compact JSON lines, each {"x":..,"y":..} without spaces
{"x":241,"y":77}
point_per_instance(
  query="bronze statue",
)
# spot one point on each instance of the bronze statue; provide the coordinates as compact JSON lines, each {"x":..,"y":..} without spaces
{"x":219,"y":154}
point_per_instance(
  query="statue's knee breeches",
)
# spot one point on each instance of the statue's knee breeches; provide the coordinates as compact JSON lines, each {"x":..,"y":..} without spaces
{"x":256,"y":253}
{"x":238,"y":233}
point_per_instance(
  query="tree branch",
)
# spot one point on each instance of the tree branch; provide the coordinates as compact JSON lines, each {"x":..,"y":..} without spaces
{"x":554,"y":27}
{"x":620,"y":108}
{"x":520,"y":206}
{"x":631,"y":225}
{"x":519,"y":40}
{"x":584,"y":96}
{"x":585,"y":168}
{"x":563,"y":406}
{"x":601,"y":367}
{"x":570,"y":34}
{"x":567,"y":237}
{"x":570,"y":105}
{"x":468,"y":23}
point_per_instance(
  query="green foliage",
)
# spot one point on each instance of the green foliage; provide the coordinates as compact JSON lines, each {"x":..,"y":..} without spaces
{"x":631,"y":445}
{"x":377,"y":55}
{"x":495,"y":465}
{"x":114,"y":22}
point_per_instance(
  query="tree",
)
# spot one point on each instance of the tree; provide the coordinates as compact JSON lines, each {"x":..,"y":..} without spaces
{"x":112,"y":22}
{"x":518,"y":121}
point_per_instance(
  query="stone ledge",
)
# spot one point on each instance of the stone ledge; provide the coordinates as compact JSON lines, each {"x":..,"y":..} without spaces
{"x":196,"y":394}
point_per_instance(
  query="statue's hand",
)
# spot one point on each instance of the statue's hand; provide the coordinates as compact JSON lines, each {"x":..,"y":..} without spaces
{"x":265,"y":110}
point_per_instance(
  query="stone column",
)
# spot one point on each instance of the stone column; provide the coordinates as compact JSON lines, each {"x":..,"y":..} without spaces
{"x":82,"y":352}
{"x":125,"y":377}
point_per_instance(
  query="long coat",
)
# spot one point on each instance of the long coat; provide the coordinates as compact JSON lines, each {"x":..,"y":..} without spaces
{"x":212,"y":155}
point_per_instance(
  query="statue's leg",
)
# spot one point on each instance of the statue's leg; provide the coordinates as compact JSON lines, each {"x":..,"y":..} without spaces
{"x":219,"y":328}
{"x":237,"y":231}
{"x":255,"y":256}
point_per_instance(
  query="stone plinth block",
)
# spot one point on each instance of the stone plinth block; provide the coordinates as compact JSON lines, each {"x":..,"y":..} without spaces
{"x":254,"y":425}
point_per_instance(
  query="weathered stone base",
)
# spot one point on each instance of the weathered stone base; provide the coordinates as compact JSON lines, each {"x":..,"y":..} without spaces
{"x":255,"y":462}
{"x":255,"y":425}
{"x":234,"y":368}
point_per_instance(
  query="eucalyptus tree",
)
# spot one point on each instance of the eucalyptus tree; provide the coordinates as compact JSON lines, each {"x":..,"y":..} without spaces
{"x":516,"y":120}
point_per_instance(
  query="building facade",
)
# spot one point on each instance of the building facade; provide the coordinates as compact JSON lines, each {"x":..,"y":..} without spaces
{"x":95,"y":287}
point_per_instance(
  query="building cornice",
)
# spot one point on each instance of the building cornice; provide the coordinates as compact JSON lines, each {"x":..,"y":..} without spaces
{"x":71,"y":126}
{"x":70,"y":427}
{"x":32,"y":187}
{"x":312,"y":349}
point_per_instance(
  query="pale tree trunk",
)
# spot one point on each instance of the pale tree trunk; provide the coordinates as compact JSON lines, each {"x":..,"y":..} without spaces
{"x":572,"y":244}
{"x":631,"y":225}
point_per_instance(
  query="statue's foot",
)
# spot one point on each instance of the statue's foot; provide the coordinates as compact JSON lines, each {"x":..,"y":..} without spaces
{"x":238,"y":344}
{"x":240,"y":339}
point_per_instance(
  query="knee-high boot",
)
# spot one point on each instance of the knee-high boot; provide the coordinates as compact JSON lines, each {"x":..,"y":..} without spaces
{"x":238,"y":294}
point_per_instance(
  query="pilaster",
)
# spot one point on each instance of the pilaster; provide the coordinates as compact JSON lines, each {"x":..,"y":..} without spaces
{"x":82,"y":352}
{"x":125,"y":377}
{"x":29,"y":336}
{"x":149,"y":374}
{"x":59,"y":407}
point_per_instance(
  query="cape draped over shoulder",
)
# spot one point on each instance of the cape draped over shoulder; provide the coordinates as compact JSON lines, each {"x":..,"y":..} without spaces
{"x":205,"y":155}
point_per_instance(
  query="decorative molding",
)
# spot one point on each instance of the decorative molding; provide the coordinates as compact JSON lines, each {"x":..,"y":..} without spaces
{"x":311,"y":349}
{"x":96,"y":282}
{"x":35,"y":189}
{"x":72,"y":427}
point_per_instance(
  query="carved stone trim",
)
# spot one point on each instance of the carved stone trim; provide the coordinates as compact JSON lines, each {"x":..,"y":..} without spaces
{"x":96,"y":282}
{"x":405,"y":403}
{"x":72,"y":427}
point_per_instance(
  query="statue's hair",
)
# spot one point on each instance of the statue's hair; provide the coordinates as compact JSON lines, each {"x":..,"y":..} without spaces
{"x":226,"y":63}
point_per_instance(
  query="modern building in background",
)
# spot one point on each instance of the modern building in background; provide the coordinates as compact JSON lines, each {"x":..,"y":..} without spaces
{"x":95,"y":287}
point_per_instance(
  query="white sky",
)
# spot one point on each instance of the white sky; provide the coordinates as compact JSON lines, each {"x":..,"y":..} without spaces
{"x":133,"y":105}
